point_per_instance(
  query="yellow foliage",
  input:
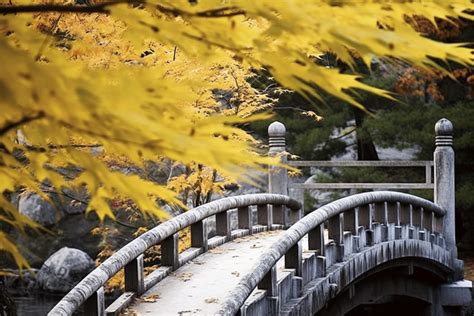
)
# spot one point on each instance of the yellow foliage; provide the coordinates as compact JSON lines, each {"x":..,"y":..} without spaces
{"x":167,"y":79}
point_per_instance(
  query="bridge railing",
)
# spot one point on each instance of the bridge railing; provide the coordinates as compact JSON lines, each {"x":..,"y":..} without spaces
{"x":274,"y":211}
{"x":443,"y":177}
{"x":352,"y":223}
{"x":426,"y":164}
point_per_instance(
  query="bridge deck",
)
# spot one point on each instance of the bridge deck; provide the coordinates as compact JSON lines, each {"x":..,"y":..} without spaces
{"x":199,"y":286}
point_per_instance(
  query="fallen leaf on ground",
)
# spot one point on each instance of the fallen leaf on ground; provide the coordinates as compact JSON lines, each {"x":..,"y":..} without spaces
{"x":185,"y":276}
{"x":150,"y":298}
{"x":128,"y":312}
{"x":211,"y":300}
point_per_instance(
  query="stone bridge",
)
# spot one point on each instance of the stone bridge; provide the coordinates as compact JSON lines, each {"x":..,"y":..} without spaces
{"x":266,"y":259}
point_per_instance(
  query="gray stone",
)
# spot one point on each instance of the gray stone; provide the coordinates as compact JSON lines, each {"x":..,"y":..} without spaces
{"x":64,"y":269}
{"x":35,"y":207}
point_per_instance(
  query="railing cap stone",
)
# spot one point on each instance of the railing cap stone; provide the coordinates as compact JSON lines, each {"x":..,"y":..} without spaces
{"x":276,"y":129}
{"x":444,"y":127}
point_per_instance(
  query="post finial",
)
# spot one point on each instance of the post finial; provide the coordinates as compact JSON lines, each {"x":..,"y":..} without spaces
{"x":276,"y":129}
{"x":444,"y":132}
{"x":276,"y":135}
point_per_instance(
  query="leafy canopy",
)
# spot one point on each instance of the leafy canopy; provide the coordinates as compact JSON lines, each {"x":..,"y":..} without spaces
{"x":71,"y":74}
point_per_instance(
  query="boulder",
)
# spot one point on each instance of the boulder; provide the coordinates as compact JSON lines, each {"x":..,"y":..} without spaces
{"x":64,"y":269}
{"x":35,"y":207}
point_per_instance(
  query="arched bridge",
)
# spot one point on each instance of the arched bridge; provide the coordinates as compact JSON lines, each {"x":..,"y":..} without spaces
{"x":265,"y":259}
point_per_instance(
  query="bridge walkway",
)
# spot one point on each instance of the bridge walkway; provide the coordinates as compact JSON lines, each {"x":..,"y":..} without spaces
{"x":199,"y":286}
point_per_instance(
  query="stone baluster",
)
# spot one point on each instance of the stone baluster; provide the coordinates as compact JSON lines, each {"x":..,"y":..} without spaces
{"x":294,"y":259}
{"x":223,"y":225}
{"x":95,"y":304}
{"x":264,"y":216}
{"x":336,"y":233}
{"x":280,"y":215}
{"x":245,"y":218}
{"x":199,"y":235}
{"x":169,"y":251}
{"x":270,"y":282}
{"x":316,"y":239}
{"x":134,"y":278}
{"x":351,"y":221}
{"x":444,"y":180}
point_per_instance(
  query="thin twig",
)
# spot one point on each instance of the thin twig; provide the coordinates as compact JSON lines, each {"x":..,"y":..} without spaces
{"x":25,"y":119}
{"x":103,"y":8}
{"x":35,"y":8}
{"x":45,"y":41}
{"x":345,"y":134}
{"x":212,"y":13}
{"x":42,"y":149}
{"x":174,"y":53}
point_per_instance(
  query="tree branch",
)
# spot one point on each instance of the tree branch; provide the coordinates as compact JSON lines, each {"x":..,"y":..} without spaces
{"x":103,"y":8}
{"x":211,"y":13}
{"x":51,"y":146}
{"x":344,"y":134}
{"x":35,"y":8}
{"x":25,"y":119}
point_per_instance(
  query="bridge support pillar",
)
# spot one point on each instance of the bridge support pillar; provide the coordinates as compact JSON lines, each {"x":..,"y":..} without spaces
{"x":444,"y":180}
{"x":455,"y":298}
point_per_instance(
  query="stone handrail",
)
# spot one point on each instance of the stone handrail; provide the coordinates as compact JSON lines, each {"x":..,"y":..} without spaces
{"x":426,"y":164}
{"x":90,"y":290}
{"x":345,"y":214}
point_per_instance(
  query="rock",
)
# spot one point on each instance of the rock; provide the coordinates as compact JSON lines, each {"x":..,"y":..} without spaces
{"x":64,"y":269}
{"x":35,"y":207}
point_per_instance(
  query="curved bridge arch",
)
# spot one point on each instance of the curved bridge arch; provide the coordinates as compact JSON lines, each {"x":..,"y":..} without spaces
{"x":397,"y":278}
{"x":381,"y":226}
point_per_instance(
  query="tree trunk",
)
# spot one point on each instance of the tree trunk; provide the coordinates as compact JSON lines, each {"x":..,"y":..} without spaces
{"x":365,"y":145}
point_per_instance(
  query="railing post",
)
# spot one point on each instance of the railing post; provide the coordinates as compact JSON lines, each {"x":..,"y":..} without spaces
{"x":95,"y":304}
{"x":444,"y":180}
{"x":170,"y":252}
{"x":134,"y":278}
{"x":223,"y":225}
{"x":199,"y":235}
{"x":269,"y":282}
{"x":245,"y":218}
{"x":277,"y":176}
